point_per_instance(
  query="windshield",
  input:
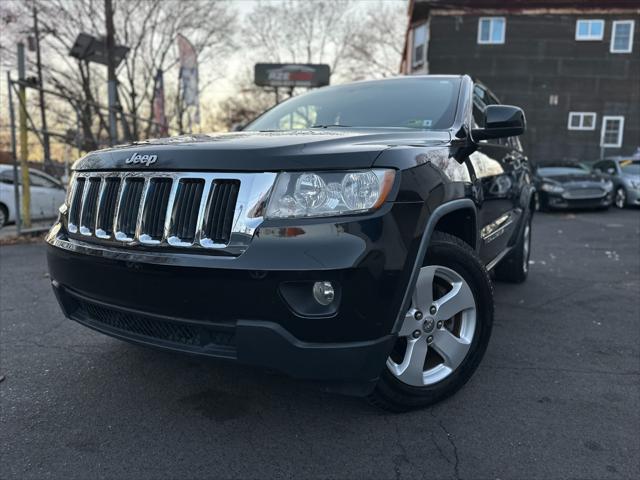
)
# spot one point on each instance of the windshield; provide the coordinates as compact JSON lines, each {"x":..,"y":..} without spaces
{"x":630,"y":166}
{"x":418,"y":103}
{"x":556,"y":171}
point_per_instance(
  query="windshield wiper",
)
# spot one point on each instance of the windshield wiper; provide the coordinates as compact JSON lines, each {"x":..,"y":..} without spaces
{"x":330,"y":126}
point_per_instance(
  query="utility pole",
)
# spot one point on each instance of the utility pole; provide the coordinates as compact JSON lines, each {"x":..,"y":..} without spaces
{"x":111,"y":67}
{"x":24,"y":146}
{"x":14,"y":151}
{"x":43,"y":117}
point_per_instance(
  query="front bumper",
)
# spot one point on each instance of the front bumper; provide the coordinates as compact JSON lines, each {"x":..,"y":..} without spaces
{"x":560,"y":201}
{"x":237,"y":309}
{"x":350,"y":367}
{"x":633,"y":196}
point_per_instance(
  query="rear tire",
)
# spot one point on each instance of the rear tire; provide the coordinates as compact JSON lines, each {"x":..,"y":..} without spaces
{"x":467,"y":332}
{"x":620,"y":199}
{"x":4,"y":216}
{"x":514,"y":268}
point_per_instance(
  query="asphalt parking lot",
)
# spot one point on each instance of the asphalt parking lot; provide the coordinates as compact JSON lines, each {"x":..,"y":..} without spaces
{"x":557,"y":395}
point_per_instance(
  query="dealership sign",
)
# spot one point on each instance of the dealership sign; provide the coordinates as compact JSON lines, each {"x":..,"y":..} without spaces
{"x":291,"y":75}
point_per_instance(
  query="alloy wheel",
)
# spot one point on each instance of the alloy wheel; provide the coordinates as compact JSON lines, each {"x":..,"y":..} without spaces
{"x":526,"y":247}
{"x":437,"y":331}
{"x":621,"y":197}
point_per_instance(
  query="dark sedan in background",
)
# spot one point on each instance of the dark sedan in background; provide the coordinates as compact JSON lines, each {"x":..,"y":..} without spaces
{"x":570,"y":185}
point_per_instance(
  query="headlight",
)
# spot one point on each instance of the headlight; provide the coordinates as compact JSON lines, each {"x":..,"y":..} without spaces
{"x":321,"y":194}
{"x":552,"y":188}
{"x":608,"y":185}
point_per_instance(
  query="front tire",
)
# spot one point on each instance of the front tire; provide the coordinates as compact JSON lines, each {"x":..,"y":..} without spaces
{"x":444,"y":334}
{"x":4,"y":216}
{"x":620,"y":199}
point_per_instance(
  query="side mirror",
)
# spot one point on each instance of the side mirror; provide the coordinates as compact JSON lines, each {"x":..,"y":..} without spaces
{"x":611,"y":171}
{"x":500,"y":121}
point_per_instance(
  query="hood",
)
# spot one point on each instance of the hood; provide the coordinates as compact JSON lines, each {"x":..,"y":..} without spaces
{"x":260,"y":151}
{"x":631,"y":176}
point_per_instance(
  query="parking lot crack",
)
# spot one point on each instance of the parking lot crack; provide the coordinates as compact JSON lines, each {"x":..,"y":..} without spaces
{"x":404,"y":456}
{"x":454,"y":447}
{"x":565,"y":370}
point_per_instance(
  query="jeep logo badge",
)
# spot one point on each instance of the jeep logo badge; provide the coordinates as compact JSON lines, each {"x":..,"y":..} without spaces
{"x":146,"y":160}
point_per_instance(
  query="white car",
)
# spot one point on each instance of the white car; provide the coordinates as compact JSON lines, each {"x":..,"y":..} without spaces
{"x":47,"y":194}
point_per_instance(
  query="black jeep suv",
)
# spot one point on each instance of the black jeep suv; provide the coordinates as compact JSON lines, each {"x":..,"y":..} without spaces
{"x":345,"y":236}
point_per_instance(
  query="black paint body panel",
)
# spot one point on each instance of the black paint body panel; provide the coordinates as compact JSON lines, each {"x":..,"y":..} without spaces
{"x":372,"y":258}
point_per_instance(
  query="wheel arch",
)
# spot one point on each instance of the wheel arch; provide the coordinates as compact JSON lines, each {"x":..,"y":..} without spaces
{"x":461,"y":223}
{"x":7,"y":211}
{"x":462,"y":206}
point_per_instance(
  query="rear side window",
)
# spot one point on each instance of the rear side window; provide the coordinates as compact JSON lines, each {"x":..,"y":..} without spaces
{"x":482,"y":98}
{"x":40,"y":181}
{"x":6,"y":177}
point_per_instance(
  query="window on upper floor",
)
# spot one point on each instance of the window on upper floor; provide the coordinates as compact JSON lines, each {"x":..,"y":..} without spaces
{"x":418,"y":55}
{"x":611,"y":133}
{"x":622,"y":36}
{"x":491,"y":30}
{"x":582,"y":121}
{"x":589,"y":29}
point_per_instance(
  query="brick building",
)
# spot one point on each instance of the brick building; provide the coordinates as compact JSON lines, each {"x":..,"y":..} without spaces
{"x":572,"y":65}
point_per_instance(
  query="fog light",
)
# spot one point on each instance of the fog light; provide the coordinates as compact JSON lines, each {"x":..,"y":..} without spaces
{"x":323,"y":292}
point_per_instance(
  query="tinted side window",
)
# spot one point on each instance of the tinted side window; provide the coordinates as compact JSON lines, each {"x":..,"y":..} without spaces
{"x":610,"y":167}
{"x":479,"y":105}
{"x":40,"y":181}
{"x":481,"y":99}
{"x":6,"y":177}
{"x":600,"y":166}
{"x":514,"y":142}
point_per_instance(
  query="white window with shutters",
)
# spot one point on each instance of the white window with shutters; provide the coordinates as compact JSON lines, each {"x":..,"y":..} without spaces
{"x":612,"y":129}
{"x":622,"y":36}
{"x":419,"y":48}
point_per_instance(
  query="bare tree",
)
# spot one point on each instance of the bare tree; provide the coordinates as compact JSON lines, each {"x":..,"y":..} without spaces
{"x":357,"y":40}
{"x":375,"y":47}
{"x":299,"y":32}
{"x":149,"y":28}
{"x":246,"y":103}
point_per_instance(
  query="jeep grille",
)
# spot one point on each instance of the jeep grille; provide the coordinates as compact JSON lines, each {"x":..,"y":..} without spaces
{"x":155,"y":209}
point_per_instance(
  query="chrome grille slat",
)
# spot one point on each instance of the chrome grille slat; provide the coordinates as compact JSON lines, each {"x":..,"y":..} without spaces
{"x":141,"y":206}
{"x":90,"y":206}
{"x":185,"y":213}
{"x":107,"y":207}
{"x":152,"y":224}
{"x":76,"y":204}
{"x":130,"y":201}
{"x":212,"y":211}
{"x":219,"y":220}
